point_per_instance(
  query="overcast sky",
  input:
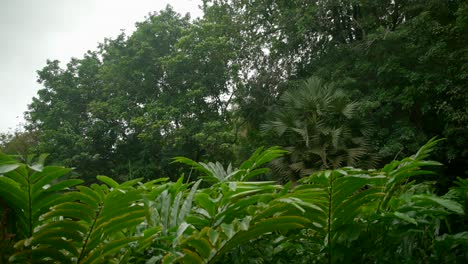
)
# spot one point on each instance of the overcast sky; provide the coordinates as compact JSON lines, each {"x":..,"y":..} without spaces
{"x":33,"y":31}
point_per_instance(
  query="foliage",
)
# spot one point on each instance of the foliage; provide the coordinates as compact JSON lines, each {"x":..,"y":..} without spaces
{"x":342,"y":215}
{"x":215,"y":173}
{"x":320,"y":127}
{"x":404,"y":61}
{"x":21,"y":143}
{"x":206,"y":90}
{"x":412,"y":72}
{"x":128,"y":108}
{"x":202,"y":88}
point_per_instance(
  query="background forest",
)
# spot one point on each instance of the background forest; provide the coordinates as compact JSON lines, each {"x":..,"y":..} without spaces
{"x":342,"y":83}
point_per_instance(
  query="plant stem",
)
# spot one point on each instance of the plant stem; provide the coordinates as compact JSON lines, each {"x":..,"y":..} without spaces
{"x":83,"y":248}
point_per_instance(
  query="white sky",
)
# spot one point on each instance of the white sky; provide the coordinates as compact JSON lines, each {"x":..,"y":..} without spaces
{"x":32,"y":31}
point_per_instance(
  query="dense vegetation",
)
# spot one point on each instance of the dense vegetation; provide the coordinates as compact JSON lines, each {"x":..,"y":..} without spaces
{"x":338,"y":85}
{"x":346,"y":215}
{"x":205,"y":88}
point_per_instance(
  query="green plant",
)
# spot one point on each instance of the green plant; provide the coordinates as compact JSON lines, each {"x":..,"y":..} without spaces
{"x":215,"y":173}
{"x":85,"y":225}
{"x":320,"y":128}
{"x":343,"y":215}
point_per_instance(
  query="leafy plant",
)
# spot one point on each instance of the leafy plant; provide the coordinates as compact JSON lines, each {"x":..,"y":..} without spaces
{"x":342,"y":215}
{"x":321,"y":129}
{"x":214,"y":172}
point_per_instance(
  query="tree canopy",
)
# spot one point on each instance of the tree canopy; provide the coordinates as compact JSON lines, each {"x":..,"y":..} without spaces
{"x":204,"y":88}
{"x":328,"y":95}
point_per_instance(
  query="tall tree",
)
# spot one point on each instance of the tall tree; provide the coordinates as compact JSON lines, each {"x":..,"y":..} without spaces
{"x":139,"y":100}
{"x":133,"y":88}
{"x":405,"y":60}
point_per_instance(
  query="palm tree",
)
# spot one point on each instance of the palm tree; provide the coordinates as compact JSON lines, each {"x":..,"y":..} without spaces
{"x":319,"y":125}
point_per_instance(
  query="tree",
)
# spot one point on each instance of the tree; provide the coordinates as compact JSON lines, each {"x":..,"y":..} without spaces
{"x":409,"y":76}
{"x":404,"y":61}
{"x":21,"y":143}
{"x":139,"y":100}
{"x":319,"y":125}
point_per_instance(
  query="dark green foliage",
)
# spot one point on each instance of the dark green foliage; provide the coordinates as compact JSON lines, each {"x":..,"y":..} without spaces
{"x":386,"y":77}
{"x":335,"y":216}
{"x":202,"y":89}
{"x":404,"y":61}
{"x":20,"y":143}
{"x":320,"y":127}
{"x":128,"y":108}
{"x":411,"y":72}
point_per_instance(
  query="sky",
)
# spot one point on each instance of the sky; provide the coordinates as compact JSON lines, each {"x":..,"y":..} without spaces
{"x":32,"y":31}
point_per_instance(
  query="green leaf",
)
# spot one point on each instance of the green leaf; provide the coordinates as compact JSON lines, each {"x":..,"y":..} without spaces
{"x":190,"y":257}
{"x":200,"y":245}
{"x":187,"y":205}
{"x":71,"y":210}
{"x":98,"y":255}
{"x":12,"y":193}
{"x":8,"y":167}
{"x":448,"y":204}
{"x":405,"y":217}
{"x":39,"y":255}
{"x":108,"y":181}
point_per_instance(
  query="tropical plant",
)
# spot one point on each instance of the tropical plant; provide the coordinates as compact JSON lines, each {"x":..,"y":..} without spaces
{"x":215,"y":173}
{"x":321,"y":129}
{"x":111,"y":222}
{"x":341,"y":215}
{"x":85,"y":225}
{"x":371,"y":216}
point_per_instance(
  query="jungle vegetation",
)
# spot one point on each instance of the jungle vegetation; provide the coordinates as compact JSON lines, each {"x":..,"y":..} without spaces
{"x":325,"y":131}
